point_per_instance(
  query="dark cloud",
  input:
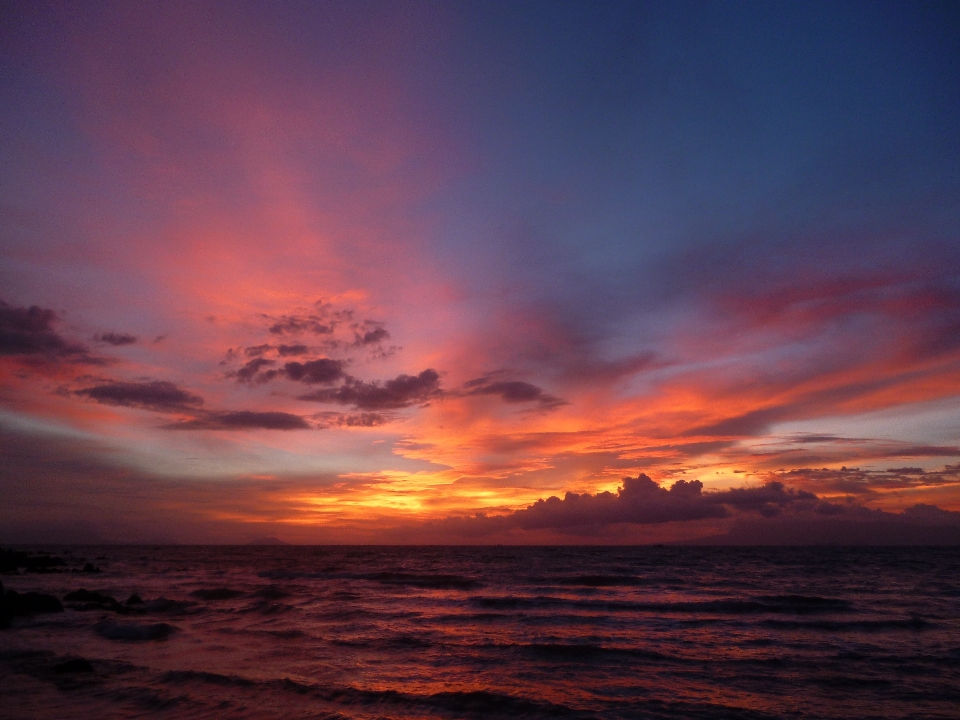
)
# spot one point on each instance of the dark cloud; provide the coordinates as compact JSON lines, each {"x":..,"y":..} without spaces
{"x":752,"y":423}
{"x":512,"y":391}
{"x":158,"y":395}
{"x":257,"y":350}
{"x":322,"y":322}
{"x":340,"y":420}
{"x":323,"y":371}
{"x":112,"y":338}
{"x":311,"y":372}
{"x":243,"y":420}
{"x":918,"y":525}
{"x":288,"y":350}
{"x":861,"y":482}
{"x":29,"y":332}
{"x":642,"y":501}
{"x":369,"y":332}
{"x":402,"y":391}
{"x":248,"y":373}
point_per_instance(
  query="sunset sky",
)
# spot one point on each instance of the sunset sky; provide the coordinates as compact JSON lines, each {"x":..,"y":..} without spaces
{"x":394,"y":272}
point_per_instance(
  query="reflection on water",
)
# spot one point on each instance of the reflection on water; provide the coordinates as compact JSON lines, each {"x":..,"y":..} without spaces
{"x":348,"y":632}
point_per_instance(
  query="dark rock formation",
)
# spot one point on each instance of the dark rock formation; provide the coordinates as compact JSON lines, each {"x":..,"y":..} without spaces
{"x":12,"y":560}
{"x":73,"y":665}
{"x":14,"y":604}
{"x":86,"y":600}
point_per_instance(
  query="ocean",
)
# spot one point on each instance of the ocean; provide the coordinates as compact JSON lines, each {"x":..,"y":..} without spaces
{"x":488,"y":632}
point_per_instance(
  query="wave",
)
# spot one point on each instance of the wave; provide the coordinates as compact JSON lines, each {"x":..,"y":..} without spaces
{"x":779,"y":604}
{"x":270,"y":592}
{"x":134,"y":632}
{"x":264,"y":607}
{"x":178,"y":677}
{"x":601,"y":581}
{"x":468,"y":703}
{"x":586,"y":652}
{"x":861,"y":625}
{"x":478,"y":703}
{"x":166,"y":606}
{"x":217,"y":594}
{"x":425,"y":581}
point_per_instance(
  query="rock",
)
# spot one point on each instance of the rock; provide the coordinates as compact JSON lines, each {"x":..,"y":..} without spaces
{"x":170,"y":607}
{"x":74,"y":665}
{"x":5,"y":615}
{"x":135,"y":632}
{"x":30,"y":603}
{"x":12,"y":560}
{"x":92,"y":601}
{"x":134,"y":600}
{"x":217,"y":594}
{"x":84,"y":595}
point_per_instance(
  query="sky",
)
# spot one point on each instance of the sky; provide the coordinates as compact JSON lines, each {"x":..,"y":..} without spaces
{"x":479,"y":272}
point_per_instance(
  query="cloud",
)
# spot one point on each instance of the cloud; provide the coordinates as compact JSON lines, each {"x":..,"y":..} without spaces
{"x":369,"y":332}
{"x":918,"y":525}
{"x":302,"y":323}
{"x":248,"y":373}
{"x":29,"y":332}
{"x":117,"y":339}
{"x":402,"y":391}
{"x":755,"y":422}
{"x":340,"y":420}
{"x":158,"y":395}
{"x":642,"y":501}
{"x":312,"y":372}
{"x":860,"y":482}
{"x":282,"y":350}
{"x":243,"y":420}
{"x":512,"y":391}
{"x":323,"y":370}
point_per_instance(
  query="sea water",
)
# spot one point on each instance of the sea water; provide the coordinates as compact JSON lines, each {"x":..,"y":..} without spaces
{"x":492,"y":632}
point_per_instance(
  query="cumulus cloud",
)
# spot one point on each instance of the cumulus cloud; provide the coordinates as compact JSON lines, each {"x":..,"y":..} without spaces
{"x":159,"y":395}
{"x":243,"y":420}
{"x":288,"y":350}
{"x":369,"y":332}
{"x":511,"y":391}
{"x":322,"y":371}
{"x":402,"y":391}
{"x":294,"y":324}
{"x":29,"y":332}
{"x":642,"y":501}
{"x":323,"y":321}
{"x":311,"y":372}
{"x":249,"y":372}
{"x":257,"y":350}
